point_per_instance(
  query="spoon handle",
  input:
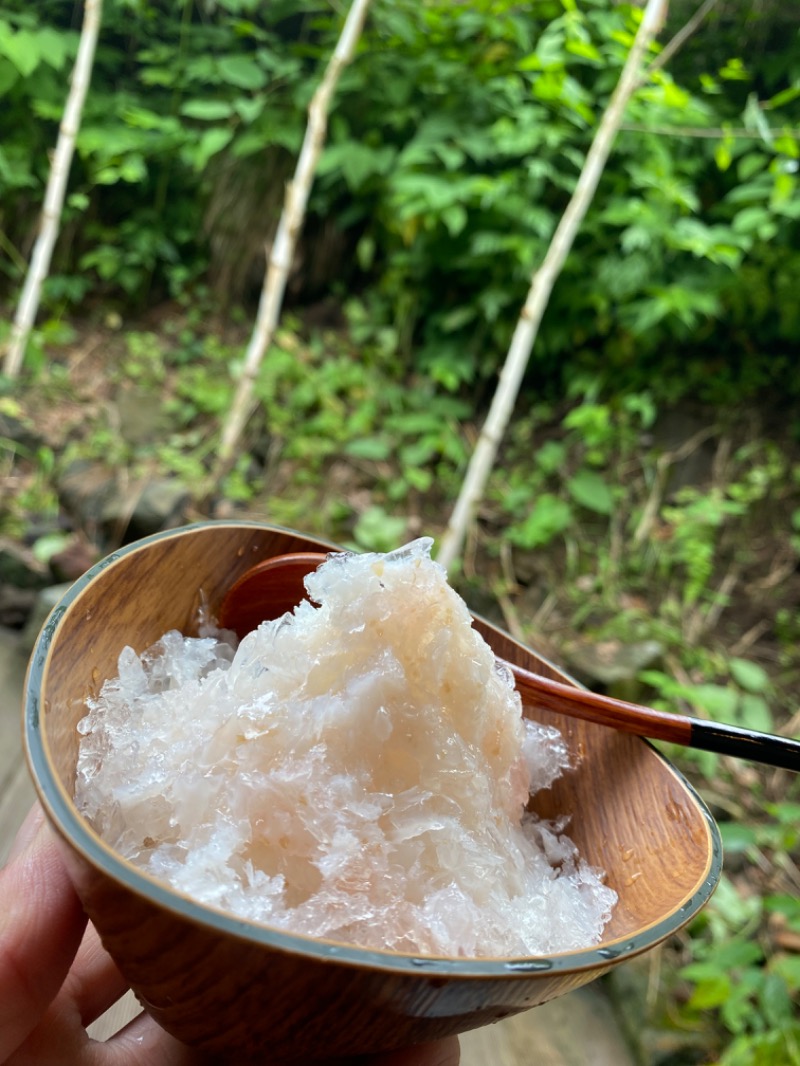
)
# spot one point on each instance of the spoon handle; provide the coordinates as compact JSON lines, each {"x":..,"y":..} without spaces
{"x":656,"y":725}
{"x":275,"y":585}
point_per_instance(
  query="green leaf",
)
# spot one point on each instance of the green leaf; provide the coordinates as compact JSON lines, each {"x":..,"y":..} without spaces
{"x":734,"y":70}
{"x":8,"y":75}
{"x":788,"y":967}
{"x":248,"y":109}
{"x":787,"y":814}
{"x":451,"y":156}
{"x":723,"y":155}
{"x":357,"y":162}
{"x":421,"y":480}
{"x":711,"y":992}
{"x":418,"y":452}
{"x":786,"y":96}
{"x":749,"y":675}
{"x":375,"y":530}
{"x":455,"y":219}
{"x":462,"y":316}
{"x":584,"y":50}
{"x":49,"y":545}
{"x":718,"y":701}
{"x":212,"y":141}
{"x":144,"y":118}
{"x":549,"y":517}
{"x":550,"y":457}
{"x":730,"y":911}
{"x":589,"y":490}
{"x":207,"y":110}
{"x":242,"y":71}
{"x":55,"y":46}
{"x":754,"y":713}
{"x":20,"y":48}
{"x":736,"y":837}
{"x":751,"y":164}
{"x":782,"y":190}
{"x":788,"y":906}
{"x":372,"y":448}
{"x":754,"y":118}
{"x":751,"y":219}
{"x":365,"y":251}
{"x":14,"y":174}
{"x":736,"y":954}
{"x":775,"y":1000}
{"x":133,"y":169}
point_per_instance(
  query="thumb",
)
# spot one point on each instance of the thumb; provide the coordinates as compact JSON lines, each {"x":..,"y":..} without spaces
{"x":41,"y":924}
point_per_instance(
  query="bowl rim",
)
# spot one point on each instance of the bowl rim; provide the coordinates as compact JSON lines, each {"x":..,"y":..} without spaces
{"x":78,"y":834}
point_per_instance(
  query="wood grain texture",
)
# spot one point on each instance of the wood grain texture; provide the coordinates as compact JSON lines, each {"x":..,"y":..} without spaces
{"x":236,"y":988}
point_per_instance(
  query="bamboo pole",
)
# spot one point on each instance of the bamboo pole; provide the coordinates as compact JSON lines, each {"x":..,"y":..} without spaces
{"x":28,"y":306}
{"x":283,"y":247}
{"x":544,"y":278}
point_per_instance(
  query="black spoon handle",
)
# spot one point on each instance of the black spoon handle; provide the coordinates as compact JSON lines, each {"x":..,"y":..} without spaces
{"x":657,"y":725}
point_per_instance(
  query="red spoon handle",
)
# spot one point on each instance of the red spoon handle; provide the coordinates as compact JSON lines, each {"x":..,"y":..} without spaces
{"x":656,"y":725}
{"x":605,"y":710}
{"x":275,"y":586}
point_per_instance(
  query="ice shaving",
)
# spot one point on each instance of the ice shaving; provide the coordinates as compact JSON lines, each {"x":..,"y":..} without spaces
{"x":357,"y":770}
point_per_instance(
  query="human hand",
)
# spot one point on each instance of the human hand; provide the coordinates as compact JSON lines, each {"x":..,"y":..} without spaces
{"x":56,"y":979}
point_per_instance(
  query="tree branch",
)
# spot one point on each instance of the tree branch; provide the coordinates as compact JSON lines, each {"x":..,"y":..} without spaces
{"x":709,"y":133}
{"x":541,"y":286}
{"x":680,"y":38}
{"x":56,"y":188}
{"x":283,"y":247}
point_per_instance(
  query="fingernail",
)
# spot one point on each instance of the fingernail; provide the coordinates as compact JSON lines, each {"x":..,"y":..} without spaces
{"x":27,"y":833}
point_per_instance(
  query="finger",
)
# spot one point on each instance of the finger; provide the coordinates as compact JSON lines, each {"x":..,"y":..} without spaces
{"x":94,"y":983}
{"x":58,"y":1040}
{"x":41,"y":925}
{"x":60,"y":1037}
{"x":26,"y":832}
{"x":142,"y":1042}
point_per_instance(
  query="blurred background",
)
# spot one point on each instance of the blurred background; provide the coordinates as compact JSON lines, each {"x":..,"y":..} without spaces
{"x":641,"y":525}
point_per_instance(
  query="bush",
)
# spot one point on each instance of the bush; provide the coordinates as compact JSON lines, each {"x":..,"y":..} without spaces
{"x":457,"y":138}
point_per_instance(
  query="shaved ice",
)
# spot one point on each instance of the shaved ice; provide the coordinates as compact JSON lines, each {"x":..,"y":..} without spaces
{"x":357,"y":770}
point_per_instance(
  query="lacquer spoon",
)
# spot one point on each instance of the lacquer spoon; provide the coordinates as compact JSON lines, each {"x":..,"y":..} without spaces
{"x":275,"y":586}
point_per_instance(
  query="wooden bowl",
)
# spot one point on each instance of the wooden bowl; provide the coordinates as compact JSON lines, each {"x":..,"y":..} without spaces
{"x":237,"y":988}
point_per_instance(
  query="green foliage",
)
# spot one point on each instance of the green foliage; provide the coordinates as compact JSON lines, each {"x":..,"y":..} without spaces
{"x":324,"y":405}
{"x":457,"y":136}
{"x":755,"y":991}
{"x":376,"y":530}
{"x":569,"y":481}
{"x":171,"y":88}
{"x":694,"y":519}
{"x":479,"y":178}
